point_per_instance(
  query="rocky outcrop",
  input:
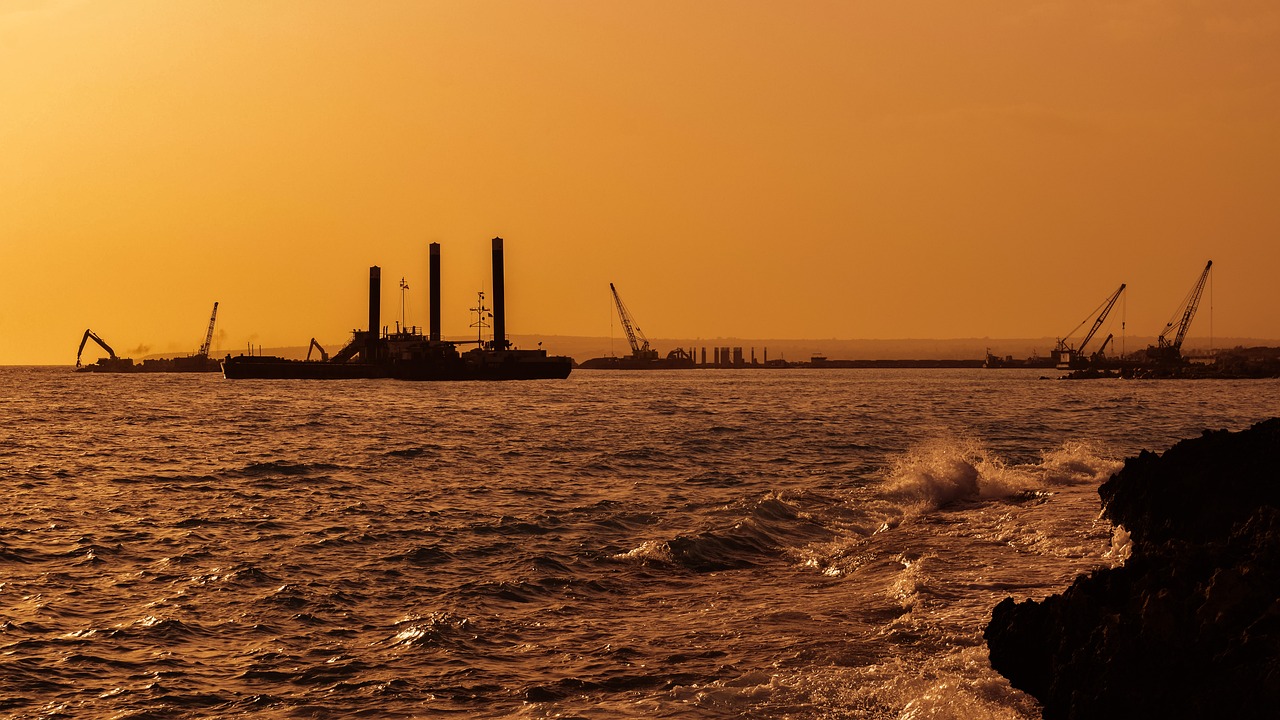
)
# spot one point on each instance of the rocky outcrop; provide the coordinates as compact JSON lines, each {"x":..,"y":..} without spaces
{"x":1189,"y":626}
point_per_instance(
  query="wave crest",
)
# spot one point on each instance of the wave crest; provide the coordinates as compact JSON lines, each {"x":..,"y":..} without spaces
{"x":936,"y":474}
{"x":943,"y":471}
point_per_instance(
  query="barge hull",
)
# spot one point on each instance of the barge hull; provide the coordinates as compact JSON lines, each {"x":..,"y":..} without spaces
{"x":505,"y":365}
{"x":259,"y":367}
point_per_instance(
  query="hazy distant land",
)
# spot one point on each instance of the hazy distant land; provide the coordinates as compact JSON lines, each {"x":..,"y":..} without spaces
{"x":582,"y":348}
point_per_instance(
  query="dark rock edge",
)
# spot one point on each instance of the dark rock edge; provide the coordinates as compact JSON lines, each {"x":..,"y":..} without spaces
{"x":1189,"y":626}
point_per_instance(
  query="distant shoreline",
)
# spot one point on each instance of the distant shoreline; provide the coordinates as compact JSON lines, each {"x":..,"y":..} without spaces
{"x":840,"y":353}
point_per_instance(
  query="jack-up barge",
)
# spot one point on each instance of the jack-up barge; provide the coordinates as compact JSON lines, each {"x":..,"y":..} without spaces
{"x":407,"y":354}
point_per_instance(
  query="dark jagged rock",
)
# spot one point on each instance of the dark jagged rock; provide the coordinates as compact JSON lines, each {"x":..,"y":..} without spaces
{"x":1189,"y":626}
{"x":1200,"y":489}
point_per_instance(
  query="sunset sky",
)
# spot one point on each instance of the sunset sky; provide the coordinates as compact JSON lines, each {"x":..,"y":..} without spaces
{"x":801,"y":169}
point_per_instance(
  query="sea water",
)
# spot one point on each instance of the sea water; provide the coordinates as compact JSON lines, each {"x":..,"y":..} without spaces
{"x":685,"y":544}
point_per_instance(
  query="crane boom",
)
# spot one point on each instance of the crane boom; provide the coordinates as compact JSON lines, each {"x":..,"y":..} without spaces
{"x":208,"y":336}
{"x":1110,"y":303}
{"x":635,"y":336}
{"x":1069,"y":357}
{"x":1102,"y":351}
{"x":89,"y":334}
{"x":1188,"y":309}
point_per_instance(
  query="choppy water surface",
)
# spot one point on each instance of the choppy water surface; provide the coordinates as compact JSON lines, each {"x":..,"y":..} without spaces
{"x":789,"y":544}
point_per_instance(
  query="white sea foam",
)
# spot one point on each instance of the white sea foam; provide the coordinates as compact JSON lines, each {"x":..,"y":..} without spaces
{"x":416,"y":630}
{"x":945,"y":470}
{"x":959,"y":685}
{"x":1121,"y":546}
{"x":937,"y":473}
{"x":648,"y":550}
{"x":905,"y":590}
{"x":1077,"y":462}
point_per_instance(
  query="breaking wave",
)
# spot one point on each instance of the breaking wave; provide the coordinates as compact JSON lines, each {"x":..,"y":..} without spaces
{"x":943,"y":471}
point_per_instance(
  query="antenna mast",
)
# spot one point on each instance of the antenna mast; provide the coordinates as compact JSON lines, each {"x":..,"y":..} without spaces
{"x":403,"y":287}
{"x":481,"y":312}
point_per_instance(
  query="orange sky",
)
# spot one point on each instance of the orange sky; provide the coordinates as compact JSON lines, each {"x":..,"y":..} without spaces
{"x":773,"y":169}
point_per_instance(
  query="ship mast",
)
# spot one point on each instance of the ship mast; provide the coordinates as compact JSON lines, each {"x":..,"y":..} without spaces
{"x":481,"y":312}
{"x":403,"y":287}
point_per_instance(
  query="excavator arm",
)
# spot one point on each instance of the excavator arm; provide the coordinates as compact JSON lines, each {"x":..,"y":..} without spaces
{"x":89,"y":334}
{"x":324,"y":356}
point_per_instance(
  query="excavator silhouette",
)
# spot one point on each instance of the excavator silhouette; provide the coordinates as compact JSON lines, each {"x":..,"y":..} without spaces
{"x":91,"y":335}
{"x":114,"y":363}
